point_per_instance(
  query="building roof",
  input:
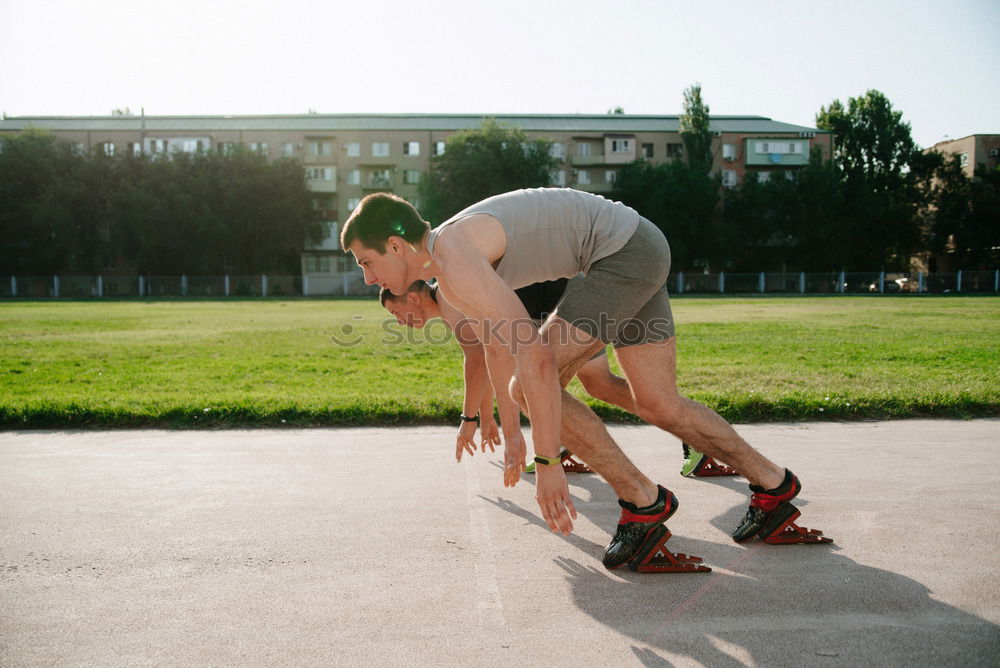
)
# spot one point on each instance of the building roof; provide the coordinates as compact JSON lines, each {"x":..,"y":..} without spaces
{"x":984,"y":135}
{"x":603,"y":123}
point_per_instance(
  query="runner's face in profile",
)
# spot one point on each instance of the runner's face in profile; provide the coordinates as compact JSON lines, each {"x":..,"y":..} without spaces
{"x":387,"y":270}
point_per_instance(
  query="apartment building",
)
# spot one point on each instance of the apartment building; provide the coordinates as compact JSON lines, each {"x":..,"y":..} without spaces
{"x":346,"y":156}
{"x":972,"y":150}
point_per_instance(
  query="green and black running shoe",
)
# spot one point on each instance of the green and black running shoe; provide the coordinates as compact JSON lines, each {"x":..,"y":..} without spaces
{"x":692,"y":460}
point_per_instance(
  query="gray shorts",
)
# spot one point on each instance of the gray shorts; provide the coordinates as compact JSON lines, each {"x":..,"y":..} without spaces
{"x":623,"y":300}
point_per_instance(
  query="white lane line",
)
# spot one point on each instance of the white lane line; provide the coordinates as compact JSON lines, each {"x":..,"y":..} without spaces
{"x":489,"y":606}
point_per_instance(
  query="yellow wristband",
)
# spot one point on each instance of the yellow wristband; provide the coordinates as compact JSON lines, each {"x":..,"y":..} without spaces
{"x":548,"y":461}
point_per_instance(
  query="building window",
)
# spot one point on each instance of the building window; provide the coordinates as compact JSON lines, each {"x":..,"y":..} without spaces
{"x":559,"y":178}
{"x":411,"y":148}
{"x":352,"y":203}
{"x":107,"y":148}
{"x":157,"y":145}
{"x":380,"y":178}
{"x":963,"y":159}
{"x":288,"y":149}
{"x":621,"y":145}
{"x":258,"y":146}
{"x":647,"y":150}
{"x":380,"y":149}
{"x":354,"y":177}
{"x":320,"y":148}
{"x":323,"y":203}
{"x":225,"y":147}
{"x":192,"y":146}
{"x":610,"y":176}
{"x":583,"y":149}
{"x":557,"y":150}
{"x":439,"y":148}
{"x":728,"y":152}
{"x":353,"y":149}
{"x":675,"y":151}
{"x":346,"y":264}
{"x":779,"y":147}
{"x":411,"y":177}
{"x":763,"y":177}
{"x":134,"y":148}
{"x":317,"y":264}
{"x":729,"y":178}
{"x":320,"y":173}
{"x":583,"y":177}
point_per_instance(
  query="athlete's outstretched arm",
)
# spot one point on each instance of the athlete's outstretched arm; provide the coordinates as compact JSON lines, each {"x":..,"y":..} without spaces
{"x":470,"y":283}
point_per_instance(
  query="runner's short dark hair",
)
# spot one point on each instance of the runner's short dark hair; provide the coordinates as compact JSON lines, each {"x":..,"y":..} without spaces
{"x":380,"y":216}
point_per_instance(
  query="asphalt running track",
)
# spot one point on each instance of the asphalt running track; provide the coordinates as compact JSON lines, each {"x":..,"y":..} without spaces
{"x":343,"y":547}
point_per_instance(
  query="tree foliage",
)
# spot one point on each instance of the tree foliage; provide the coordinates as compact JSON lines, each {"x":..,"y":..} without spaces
{"x":871,"y":140}
{"x":963,"y":219}
{"x":788,"y":222}
{"x":479,"y":163}
{"x":881,"y":171}
{"x":695,"y":131}
{"x":679,"y":200}
{"x":204,"y":213}
{"x":876,"y":204}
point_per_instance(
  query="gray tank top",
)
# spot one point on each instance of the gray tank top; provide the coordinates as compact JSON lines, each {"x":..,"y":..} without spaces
{"x":552,"y":232}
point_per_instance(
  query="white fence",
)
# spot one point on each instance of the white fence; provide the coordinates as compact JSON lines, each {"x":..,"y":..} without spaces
{"x":96,"y":287}
{"x":875,"y":282}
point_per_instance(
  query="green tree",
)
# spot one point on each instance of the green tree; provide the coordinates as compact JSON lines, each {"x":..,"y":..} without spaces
{"x":266,"y":211}
{"x":37,"y":175}
{"x":682,"y":202}
{"x":964,"y":214}
{"x":874,"y":154}
{"x":695,"y":131}
{"x":791,"y":222}
{"x":871,"y":140}
{"x":65,"y":212}
{"x":476,"y":164}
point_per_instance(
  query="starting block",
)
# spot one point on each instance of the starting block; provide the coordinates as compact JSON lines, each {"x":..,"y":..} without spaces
{"x":709,"y":468}
{"x":658,"y":559}
{"x":572,"y":465}
{"x":781,"y":528}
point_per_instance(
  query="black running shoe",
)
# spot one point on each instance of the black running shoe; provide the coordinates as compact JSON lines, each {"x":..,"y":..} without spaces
{"x":635,"y":526}
{"x":763,"y":503}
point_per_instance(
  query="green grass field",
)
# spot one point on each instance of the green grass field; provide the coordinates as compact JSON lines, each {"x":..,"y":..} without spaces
{"x":267,"y":362}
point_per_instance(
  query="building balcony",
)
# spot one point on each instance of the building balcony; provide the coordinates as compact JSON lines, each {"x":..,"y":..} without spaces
{"x":377,"y":183}
{"x":784,"y":152}
{"x":597,"y":188}
{"x":588,"y":160}
{"x":322,"y":186}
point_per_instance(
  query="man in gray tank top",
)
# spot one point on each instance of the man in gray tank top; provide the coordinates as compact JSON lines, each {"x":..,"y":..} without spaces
{"x":482,"y":254}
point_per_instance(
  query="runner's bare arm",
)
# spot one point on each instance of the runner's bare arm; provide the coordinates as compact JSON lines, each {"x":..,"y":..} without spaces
{"x":501,"y":365}
{"x":478,"y":397}
{"x":470,"y":283}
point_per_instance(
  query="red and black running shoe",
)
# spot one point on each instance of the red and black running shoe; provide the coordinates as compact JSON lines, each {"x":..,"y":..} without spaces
{"x":635,"y":527}
{"x":763,"y":504}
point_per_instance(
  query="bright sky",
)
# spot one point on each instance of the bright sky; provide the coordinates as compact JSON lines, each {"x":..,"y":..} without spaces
{"x":938,"y":62}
